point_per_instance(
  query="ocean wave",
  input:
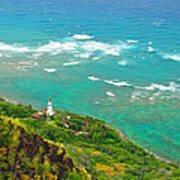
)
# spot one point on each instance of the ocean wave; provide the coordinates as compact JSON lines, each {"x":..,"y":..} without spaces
{"x":154,"y":96}
{"x":95,"y":58}
{"x":1,"y":55}
{"x":82,"y":36}
{"x":150,"y":49}
{"x":108,"y":93}
{"x":115,"y":83}
{"x":175,"y":57}
{"x":35,"y":63}
{"x":96,"y":102}
{"x":24,"y":65}
{"x":85,"y":55}
{"x":122,"y":63}
{"x":136,"y":95}
{"x":13,"y":48}
{"x":93,"y":78}
{"x":172,"y":87}
{"x":50,"y":70}
{"x":71,"y":63}
{"x":108,"y":49}
{"x":150,"y":43}
{"x":57,"y":47}
{"x":85,"y":48}
{"x":132,"y":41}
{"x":158,"y":22}
{"x":36,"y":55}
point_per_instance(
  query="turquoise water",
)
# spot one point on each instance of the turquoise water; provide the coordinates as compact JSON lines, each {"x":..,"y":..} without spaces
{"x":115,"y":60}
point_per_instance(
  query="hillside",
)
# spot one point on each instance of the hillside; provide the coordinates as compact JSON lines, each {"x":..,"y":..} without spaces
{"x":71,"y":146}
{"x":25,"y":155}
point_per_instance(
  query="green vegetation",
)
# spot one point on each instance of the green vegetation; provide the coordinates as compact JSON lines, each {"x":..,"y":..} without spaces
{"x":12,"y":110}
{"x":25,"y":155}
{"x":100,"y":151}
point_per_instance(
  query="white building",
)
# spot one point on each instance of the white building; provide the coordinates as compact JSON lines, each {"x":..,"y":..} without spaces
{"x":49,"y":110}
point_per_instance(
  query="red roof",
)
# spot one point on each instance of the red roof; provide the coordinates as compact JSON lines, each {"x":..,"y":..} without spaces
{"x":45,"y":110}
{"x":36,"y":115}
{"x":50,"y":99}
{"x":85,"y":123}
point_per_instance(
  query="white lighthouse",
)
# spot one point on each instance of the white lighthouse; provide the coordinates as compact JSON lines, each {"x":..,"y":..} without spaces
{"x":50,"y":111}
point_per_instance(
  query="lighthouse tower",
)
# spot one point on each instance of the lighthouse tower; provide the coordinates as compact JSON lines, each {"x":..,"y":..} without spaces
{"x":50,"y":111}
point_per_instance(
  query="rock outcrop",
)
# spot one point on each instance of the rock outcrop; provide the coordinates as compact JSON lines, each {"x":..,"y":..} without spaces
{"x":26,"y":155}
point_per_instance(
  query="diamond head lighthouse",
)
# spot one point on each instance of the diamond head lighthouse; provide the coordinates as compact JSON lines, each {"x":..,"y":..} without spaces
{"x":49,"y":110}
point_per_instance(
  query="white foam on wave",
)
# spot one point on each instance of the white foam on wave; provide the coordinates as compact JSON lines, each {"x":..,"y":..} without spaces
{"x":57,"y":47}
{"x":26,"y":63}
{"x":108,"y":93}
{"x":35,"y":63}
{"x":13,"y":48}
{"x":119,"y":84}
{"x":95,"y":58}
{"x":150,"y":43}
{"x":71,"y":63}
{"x":82,"y":36}
{"x":83,"y":55}
{"x":150,"y":49}
{"x":114,"y":83}
{"x":136,"y":95}
{"x":36,"y":55}
{"x":50,"y":70}
{"x":155,"y":91}
{"x":23,"y":65}
{"x":108,"y":49}
{"x":172,"y":87}
{"x":154,"y":96}
{"x":1,"y":55}
{"x":158,"y":22}
{"x":86,"y":48}
{"x":175,"y":57}
{"x":151,"y":98}
{"x":122,"y":63}
{"x":112,"y":51}
{"x":96,"y":102}
{"x":93,"y":78}
{"x":132,"y":41}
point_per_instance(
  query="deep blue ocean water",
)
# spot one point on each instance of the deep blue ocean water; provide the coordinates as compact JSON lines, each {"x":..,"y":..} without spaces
{"x":115,"y":60}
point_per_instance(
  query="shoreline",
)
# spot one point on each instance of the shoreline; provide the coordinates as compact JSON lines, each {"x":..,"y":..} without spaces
{"x":158,"y":157}
{"x":146,"y":150}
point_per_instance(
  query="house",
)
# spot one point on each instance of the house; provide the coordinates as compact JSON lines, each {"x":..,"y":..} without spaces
{"x":85,"y":123}
{"x":68,"y":117}
{"x":66,"y":125}
{"x":36,"y":115}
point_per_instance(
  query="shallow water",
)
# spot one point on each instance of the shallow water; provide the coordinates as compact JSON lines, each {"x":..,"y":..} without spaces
{"x":114,"y":60}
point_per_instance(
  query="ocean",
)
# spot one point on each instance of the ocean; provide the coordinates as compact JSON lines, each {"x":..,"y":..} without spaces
{"x":115,"y":60}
